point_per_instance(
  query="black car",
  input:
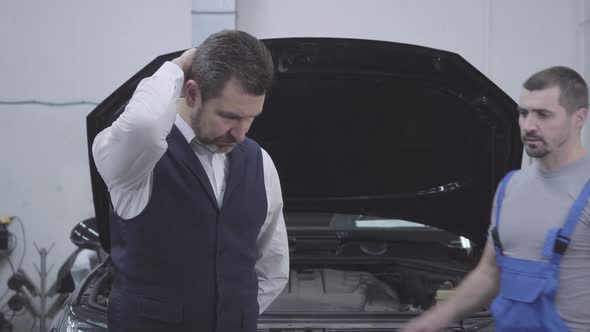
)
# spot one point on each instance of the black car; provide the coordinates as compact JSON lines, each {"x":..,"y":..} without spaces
{"x":388,"y":154}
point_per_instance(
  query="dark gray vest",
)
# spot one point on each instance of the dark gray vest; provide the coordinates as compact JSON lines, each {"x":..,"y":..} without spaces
{"x":184,"y":264}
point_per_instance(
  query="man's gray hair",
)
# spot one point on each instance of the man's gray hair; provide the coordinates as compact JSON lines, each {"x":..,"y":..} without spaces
{"x":232,"y":54}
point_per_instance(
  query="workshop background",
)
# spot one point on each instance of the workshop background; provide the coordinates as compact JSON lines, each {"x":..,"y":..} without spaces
{"x":59,"y":58}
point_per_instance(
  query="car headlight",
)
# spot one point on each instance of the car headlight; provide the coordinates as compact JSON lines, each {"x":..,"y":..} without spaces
{"x":74,"y":323}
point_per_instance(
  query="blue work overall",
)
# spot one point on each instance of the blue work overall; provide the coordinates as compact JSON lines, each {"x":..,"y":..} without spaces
{"x":526,"y":299}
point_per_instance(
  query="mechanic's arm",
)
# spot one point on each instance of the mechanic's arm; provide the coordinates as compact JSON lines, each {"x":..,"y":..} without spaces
{"x":272,"y":266}
{"x":126,"y":152}
{"x":475,"y":292}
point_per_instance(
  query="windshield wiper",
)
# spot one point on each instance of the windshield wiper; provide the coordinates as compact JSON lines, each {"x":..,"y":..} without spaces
{"x":436,"y":190}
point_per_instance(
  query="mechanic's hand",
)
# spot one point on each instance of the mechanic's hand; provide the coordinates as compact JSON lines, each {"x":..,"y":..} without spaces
{"x":428,"y":322}
{"x":185,"y":60}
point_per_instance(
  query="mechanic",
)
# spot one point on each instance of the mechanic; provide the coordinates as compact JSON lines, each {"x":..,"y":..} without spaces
{"x":536,"y":262}
{"x":198,"y":238}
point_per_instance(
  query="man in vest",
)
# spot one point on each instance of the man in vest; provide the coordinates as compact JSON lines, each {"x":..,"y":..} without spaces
{"x":536,"y":263}
{"x":198,"y":239}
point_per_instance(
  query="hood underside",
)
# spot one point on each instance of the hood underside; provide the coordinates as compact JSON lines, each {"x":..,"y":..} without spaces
{"x":371,"y":127}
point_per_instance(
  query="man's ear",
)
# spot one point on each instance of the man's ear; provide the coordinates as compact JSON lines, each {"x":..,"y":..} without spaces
{"x":581,"y":116}
{"x":192,"y":93}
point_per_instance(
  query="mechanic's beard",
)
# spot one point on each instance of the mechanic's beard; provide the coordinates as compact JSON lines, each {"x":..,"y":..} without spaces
{"x":540,"y":146}
{"x":536,"y":152}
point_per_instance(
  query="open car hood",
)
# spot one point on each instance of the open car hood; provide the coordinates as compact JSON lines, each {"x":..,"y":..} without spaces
{"x":370,"y":127}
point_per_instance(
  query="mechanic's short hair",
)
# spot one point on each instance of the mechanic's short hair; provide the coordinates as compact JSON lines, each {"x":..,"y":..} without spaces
{"x":573,"y":90}
{"x":232,"y":54}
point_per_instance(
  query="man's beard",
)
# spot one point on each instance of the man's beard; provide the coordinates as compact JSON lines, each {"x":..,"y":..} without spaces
{"x":539,"y":151}
{"x":541,"y":147}
{"x":536,"y":153}
{"x":212,"y":143}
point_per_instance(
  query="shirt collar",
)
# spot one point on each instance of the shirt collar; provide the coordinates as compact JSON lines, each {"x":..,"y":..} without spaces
{"x":184,"y":128}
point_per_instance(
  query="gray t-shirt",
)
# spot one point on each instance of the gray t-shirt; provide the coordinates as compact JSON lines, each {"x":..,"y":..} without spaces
{"x":536,"y":201}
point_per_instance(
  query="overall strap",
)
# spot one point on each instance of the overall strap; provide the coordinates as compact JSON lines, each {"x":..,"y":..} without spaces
{"x":499,"y":200}
{"x":563,"y":238}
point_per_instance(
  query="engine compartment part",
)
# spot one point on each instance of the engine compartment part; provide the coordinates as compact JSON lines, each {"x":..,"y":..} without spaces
{"x":329,"y":290}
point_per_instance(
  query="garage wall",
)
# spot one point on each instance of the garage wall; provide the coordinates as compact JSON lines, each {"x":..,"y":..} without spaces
{"x":62,"y":51}
{"x":506,"y":40}
{"x":210,"y":16}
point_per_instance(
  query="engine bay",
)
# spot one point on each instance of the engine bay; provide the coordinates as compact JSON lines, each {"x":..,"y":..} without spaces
{"x":337,"y":289}
{"x":365,"y":289}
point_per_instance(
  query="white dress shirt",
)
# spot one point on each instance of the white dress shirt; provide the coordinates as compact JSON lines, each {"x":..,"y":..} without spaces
{"x":126,"y":152}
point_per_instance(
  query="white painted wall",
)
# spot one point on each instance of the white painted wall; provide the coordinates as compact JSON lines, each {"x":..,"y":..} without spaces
{"x":408,"y":21}
{"x":210,"y":16}
{"x":506,"y":40}
{"x":66,"y":50}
